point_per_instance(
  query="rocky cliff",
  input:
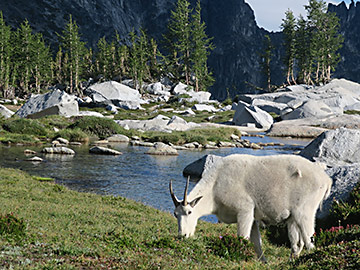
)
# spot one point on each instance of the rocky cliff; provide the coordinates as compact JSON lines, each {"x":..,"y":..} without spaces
{"x":238,"y":40}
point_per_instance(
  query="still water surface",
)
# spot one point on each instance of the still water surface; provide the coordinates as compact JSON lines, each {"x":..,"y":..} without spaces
{"x":134,"y":174}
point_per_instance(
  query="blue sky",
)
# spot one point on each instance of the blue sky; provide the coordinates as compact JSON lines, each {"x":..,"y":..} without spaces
{"x":269,"y":13}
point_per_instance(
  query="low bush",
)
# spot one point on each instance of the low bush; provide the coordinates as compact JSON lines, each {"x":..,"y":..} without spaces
{"x":12,"y":226}
{"x":25,"y":126}
{"x":231,"y":247}
{"x":73,"y":135}
{"x":96,"y":126}
{"x":348,"y":212}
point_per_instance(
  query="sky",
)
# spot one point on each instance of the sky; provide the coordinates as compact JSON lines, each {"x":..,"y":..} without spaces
{"x":269,"y":13}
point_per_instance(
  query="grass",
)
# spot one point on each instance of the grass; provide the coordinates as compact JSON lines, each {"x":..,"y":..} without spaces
{"x":53,"y":227}
{"x":80,"y":129}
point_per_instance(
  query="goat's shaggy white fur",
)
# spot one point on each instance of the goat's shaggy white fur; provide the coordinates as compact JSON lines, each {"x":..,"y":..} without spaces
{"x":245,"y":189}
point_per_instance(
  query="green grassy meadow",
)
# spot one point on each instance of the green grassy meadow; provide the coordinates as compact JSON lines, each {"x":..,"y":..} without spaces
{"x":44,"y":225}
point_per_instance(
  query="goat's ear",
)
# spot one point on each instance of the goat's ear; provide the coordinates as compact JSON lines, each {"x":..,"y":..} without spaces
{"x":194,"y":202}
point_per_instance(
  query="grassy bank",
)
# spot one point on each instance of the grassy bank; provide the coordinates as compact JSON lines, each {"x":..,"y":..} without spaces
{"x":80,"y":129}
{"x":45,"y":226}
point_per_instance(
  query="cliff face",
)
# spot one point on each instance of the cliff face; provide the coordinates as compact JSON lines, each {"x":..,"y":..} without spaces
{"x":349,"y":67}
{"x":235,"y":61}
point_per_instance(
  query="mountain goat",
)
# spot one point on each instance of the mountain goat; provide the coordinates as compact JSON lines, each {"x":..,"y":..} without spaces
{"x":246,"y":189}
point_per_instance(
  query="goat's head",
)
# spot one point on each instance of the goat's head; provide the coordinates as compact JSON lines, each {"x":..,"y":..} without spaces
{"x":185,"y":212}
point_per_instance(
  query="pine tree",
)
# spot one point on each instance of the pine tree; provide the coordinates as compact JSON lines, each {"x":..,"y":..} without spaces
{"x":139,"y":58}
{"x":5,"y":58}
{"x":201,"y":47}
{"x":178,"y":40}
{"x":122,"y":57}
{"x":24,"y":55}
{"x":303,"y":57}
{"x":325,"y":40}
{"x":266,"y":60}
{"x":75,"y":49}
{"x":41,"y":62}
{"x":288,"y":27}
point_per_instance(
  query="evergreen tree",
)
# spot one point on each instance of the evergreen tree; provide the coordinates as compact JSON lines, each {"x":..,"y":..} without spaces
{"x":200,"y":51}
{"x":325,"y":40}
{"x":25,"y":52}
{"x":139,"y":58}
{"x":5,"y":58}
{"x":288,"y":27}
{"x":266,"y":60}
{"x":122,"y":55}
{"x":41,"y":62}
{"x":302,"y":44}
{"x":75,"y":50}
{"x":178,"y":40}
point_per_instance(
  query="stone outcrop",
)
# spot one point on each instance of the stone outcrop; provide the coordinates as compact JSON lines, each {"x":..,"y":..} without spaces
{"x":55,"y":102}
{"x":5,"y":112}
{"x":198,"y":167}
{"x":58,"y":151}
{"x":335,"y":147}
{"x":99,"y":150}
{"x":112,"y":92}
{"x":159,"y":123}
{"x":162,"y":149}
{"x":339,"y":150}
{"x":247,"y":114}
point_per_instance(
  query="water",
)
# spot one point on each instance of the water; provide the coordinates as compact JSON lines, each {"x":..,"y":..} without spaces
{"x":134,"y":174}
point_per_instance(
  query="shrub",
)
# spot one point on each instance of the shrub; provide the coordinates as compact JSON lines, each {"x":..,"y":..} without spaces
{"x":336,"y":235}
{"x":12,"y":226}
{"x":230,"y":247}
{"x":73,"y":135}
{"x":96,"y":126}
{"x":348,"y":212}
{"x":25,"y":126}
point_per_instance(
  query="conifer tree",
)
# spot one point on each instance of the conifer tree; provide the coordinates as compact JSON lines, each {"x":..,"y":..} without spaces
{"x":75,"y":49}
{"x":178,"y":40}
{"x":5,"y":58}
{"x":24,"y":55}
{"x":288,"y":27}
{"x":201,"y":47}
{"x":325,"y":40}
{"x":41,"y":62}
{"x":266,"y":60}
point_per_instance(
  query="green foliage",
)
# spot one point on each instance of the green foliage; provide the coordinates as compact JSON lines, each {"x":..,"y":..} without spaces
{"x":96,"y":126}
{"x":314,"y":43}
{"x":352,"y":112}
{"x":73,"y":57}
{"x":11,"y":226}
{"x":266,"y":58}
{"x":73,"y":135}
{"x":289,"y":30}
{"x":336,"y":235}
{"x":189,"y":46}
{"x":25,"y":127}
{"x":43,"y":179}
{"x":231,"y":247}
{"x":348,"y":212}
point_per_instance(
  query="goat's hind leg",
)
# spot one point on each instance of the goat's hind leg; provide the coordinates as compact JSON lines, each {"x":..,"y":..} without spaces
{"x":295,"y":238}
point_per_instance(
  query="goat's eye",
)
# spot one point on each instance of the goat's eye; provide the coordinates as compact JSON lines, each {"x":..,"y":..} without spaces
{"x":189,"y":212}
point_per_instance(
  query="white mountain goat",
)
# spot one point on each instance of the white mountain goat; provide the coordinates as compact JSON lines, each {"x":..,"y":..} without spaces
{"x":245,"y":189}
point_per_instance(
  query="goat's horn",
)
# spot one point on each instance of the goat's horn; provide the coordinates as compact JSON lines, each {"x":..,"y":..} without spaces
{"x":175,"y":200}
{"x":186,"y":191}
